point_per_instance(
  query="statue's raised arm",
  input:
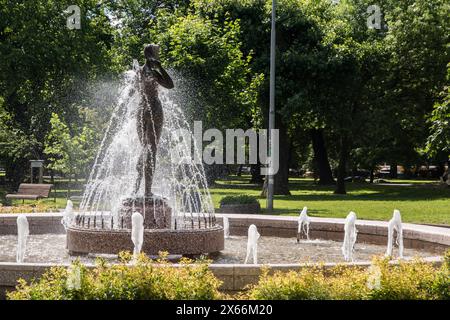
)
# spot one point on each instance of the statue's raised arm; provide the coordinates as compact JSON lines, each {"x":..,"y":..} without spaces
{"x":153,"y":66}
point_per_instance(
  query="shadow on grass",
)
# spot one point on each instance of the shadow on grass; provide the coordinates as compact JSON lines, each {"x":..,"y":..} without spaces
{"x":307,"y":190}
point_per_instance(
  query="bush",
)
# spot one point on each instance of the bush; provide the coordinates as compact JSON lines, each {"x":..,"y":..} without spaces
{"x":240,"y":199}
{"x":142,"y":280}
{"x":383,"y":281}
{"x":29,"y":208}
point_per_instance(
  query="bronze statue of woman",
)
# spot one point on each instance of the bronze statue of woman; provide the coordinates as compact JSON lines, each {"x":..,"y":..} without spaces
{"x":150,"y":115}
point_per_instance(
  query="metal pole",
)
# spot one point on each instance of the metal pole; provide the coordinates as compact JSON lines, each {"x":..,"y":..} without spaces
{"x":270,"y":185}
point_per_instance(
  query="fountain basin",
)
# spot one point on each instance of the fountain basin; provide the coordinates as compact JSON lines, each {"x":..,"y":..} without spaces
{"x":431,"y":240}
{"x":180,"y":242}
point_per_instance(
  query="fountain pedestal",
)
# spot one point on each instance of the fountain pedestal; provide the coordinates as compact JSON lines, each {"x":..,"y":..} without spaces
{"x":155,"y":210}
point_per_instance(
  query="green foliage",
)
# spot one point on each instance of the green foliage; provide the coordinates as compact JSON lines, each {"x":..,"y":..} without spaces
{"x":213,"y":72}
{"x":239,"y":199}
{"x":370,"y":90}
{"x":439,"y":139}
{"x":383,"y":281}
{"x":66,"y":153}
{"x":39,"y":206}
{"x":147,"y":279}
{"x":144,"y":280}
{"x":15,"y":144}
{"x":44,"y":69}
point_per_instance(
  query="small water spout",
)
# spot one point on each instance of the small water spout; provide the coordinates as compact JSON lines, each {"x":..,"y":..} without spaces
{"x":226,"y":228}
{"x":252,"y":244}
{"x":137,"y":232}
{"x":23,"y":230}
{"x":348,"y":246}
{"x":303,"y":224}
{"x":395,"y":224}
{"x":68,"y":215}
{"x":73,"y":281}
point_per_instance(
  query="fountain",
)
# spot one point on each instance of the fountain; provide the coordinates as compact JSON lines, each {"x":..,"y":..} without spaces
{"x":137,"y":232}
{"x":145,"y":166}
{"x":226,"y":227}
{"x":395,"y":224}
{"x":252,"y":244}
{"x":303,"y":224}
{"x":23,"y":230}
{"x":350,"y":234}
{"x":68,"y":215}
{"x":374,"y":277}
{"x":73,"y":281}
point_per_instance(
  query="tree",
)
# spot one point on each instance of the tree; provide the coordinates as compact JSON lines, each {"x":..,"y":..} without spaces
{"x":214,"y":82}
{"x":45,"y":68}
{"x":438,"y":143}
{"x":321,"y":157}
{"x":295,"y":32}
{"x":16,"y":147}
{"x":212,"y":71}
{"x":413,"y":73}
{"x":68,"y":154}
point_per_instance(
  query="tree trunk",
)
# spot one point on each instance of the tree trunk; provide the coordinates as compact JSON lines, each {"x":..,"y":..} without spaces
{"x":281,"y":179}
{"x":15,"y":173}
{"x":239,"y":170}
{"x":354,"y":172}
{"x":343,"y":155}
{"x":440,"y":169}
{"x":372,"y":174}
{"x":393,"y":170}
{"x":255,"y":170}
{"x":281,"y":186}
{"x":68,"y":186}
{"x":321,"y":157}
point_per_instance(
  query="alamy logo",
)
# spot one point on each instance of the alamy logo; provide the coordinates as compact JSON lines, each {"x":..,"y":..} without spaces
{"x":240,"y":146}
{"x":74,"y":20}
{"x":374,"y":18}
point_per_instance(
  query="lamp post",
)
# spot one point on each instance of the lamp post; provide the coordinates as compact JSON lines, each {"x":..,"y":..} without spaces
{"x":270,"y":185}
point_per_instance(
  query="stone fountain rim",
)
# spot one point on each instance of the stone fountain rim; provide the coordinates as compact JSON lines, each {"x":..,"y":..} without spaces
{"x":128,"y":231}
{"x":419,"y":236}
{"x":234,"y":276}
{"x":445,"y":231}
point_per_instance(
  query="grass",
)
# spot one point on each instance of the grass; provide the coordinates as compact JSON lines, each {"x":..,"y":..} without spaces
{"x":422,"y":202}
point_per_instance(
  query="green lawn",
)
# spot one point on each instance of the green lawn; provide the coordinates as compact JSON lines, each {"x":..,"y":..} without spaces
{"x":423,"y":202}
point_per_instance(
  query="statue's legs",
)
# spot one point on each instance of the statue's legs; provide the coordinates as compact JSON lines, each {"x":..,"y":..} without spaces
{"x":139,"y":168}
{"x":149,"y":160}
{"x":145,"y":168}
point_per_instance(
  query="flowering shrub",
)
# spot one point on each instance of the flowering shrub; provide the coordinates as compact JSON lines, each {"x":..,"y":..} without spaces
{"x":383,"y":281}
{"x":124,"y":281}
{"x":144,"y":280}
{"x":28,"y":208}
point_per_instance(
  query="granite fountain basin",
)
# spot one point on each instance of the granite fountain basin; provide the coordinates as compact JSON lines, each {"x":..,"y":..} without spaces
{"x":278,"y":247}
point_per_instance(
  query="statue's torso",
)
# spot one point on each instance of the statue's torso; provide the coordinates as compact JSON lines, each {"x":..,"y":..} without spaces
{"x":150,"y":116}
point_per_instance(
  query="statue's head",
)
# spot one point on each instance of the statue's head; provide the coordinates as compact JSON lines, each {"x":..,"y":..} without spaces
{"x":151,"y":51}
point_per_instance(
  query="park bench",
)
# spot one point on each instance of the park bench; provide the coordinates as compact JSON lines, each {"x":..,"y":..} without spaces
{"x":28,"y":191}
